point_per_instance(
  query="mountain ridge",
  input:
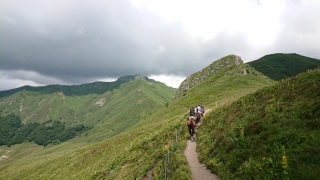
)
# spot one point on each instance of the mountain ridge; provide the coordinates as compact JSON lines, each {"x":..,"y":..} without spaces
{"x":97,"y":87}
{"x":102,"y":109}
{"x":143,"y":149}
{"x":279,"y":65}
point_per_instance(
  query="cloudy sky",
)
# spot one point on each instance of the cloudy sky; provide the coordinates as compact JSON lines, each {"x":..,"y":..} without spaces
{"x":80,"y":41}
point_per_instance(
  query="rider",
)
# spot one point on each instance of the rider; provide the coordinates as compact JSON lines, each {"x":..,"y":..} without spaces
{"x":199,"y":109}
{"x":202,"y":108}
{"x":192,"y":112}
{"x":199,"y":114}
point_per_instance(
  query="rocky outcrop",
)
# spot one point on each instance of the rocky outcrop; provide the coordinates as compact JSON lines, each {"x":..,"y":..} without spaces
{"x":130,"y":78}
{"x":228,"y":62}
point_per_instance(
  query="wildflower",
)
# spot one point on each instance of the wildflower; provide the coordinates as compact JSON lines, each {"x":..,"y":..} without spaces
{"x":264,"y":158}
{"x":242,"y":131}
{"x":155,"y":175}
{"x":166,"y":147}
{"x":284,"y":162}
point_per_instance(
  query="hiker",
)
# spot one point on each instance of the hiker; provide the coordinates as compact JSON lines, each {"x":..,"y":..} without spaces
{"x":192,"y":113}
{"x":202,"y":108}
{"x":199,"y":115}
{"x":199,"y":109}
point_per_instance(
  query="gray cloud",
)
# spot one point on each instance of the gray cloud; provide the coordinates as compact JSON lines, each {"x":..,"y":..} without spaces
{"x":78,"y":41}
{"x":81,"y":40}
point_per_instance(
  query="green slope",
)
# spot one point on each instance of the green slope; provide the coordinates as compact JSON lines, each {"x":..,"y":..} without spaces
{"x":273,"y":133}
{"x":109,"y":108}
{"x":279,"y":66}
{"x":153,"y":146}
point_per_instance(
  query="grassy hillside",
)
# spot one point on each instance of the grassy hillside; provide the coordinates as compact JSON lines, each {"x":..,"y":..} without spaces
{"x":273,"y":133}
{"x":109,"y":108}
{"x":154,"y":146}
{"x":279,"y":66}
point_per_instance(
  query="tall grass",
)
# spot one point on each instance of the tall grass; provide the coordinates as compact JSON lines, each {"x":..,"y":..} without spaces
{"x":270,"y":134}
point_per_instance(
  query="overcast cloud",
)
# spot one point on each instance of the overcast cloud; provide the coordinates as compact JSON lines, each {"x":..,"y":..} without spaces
{"x":77,"y":41}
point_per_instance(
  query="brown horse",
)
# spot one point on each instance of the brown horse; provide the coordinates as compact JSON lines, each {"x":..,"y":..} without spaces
{"x":191,"y":126}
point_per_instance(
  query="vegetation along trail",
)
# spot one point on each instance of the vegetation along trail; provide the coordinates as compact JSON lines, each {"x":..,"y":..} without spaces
{"x":198,"y":170}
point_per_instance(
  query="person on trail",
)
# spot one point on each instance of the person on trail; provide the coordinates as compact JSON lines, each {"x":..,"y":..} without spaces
{"x":192,"y":113}
{"x":198,"y":115}
{"x":202,"y":108}
{"x":199,"y":109}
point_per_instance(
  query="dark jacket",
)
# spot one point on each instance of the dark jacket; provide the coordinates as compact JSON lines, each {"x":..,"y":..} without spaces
{"x":192,"y":113}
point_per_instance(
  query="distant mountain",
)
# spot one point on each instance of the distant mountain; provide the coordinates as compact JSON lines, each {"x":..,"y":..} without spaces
{"x":219,"y":70}
{"x":279,"y":66}
{"x":254,"y":128}
{"x":145,"y":148}
{"x":83,"y":89}
{"x":108,"y":107}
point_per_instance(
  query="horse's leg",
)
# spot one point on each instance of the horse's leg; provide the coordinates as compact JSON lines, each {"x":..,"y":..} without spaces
{"x":189,"y":127}
{"x":193,"y":126}
{"x":197,"y":122}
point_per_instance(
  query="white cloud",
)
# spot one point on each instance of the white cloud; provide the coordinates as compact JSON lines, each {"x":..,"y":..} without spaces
{"x":170,"y":80}
{"x":204,"y":19}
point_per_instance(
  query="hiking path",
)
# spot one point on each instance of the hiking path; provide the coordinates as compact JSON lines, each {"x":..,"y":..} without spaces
{"x":198,"y":170}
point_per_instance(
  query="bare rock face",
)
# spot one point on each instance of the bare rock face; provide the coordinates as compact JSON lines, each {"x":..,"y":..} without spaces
{"x":130,"y":78}
{"x":231,"y":61}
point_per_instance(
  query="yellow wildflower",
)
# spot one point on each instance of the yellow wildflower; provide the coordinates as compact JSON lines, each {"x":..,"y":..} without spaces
{"x":284,"y":162}
{"x":166,"y":147}
{"x":264,"y":158}
{"x":242,"y":131}
{"x":155,"y":175}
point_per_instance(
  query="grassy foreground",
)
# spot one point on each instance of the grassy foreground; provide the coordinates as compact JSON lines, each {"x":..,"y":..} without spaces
{"x":273,"y":133}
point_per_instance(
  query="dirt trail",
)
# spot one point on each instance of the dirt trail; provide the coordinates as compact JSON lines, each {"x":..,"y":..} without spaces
{"x":198,"y":170}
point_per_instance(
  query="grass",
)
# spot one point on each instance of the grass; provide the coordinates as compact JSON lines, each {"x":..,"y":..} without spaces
{"x":279,"y":66}
{"x":242,"y":137}
{"x":138,"y":99}
{"x":270,"y":134}
{"x":141,"y":149}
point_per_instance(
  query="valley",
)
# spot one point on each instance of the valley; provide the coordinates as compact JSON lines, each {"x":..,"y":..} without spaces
{"x":140,"y":124}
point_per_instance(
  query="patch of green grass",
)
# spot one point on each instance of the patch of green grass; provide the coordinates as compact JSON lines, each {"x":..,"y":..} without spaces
{"x":270,"y":134}
{"x":279,"y":66}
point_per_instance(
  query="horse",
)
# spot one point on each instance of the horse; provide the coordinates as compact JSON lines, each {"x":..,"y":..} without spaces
{"x":191,"y":126}
{"x":198,"y":119}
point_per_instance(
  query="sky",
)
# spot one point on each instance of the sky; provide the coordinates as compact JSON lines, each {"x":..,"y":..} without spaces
{"x":72,"y":42}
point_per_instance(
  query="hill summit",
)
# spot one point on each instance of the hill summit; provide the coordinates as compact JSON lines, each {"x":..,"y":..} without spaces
{"x":130,"y":78}
{"x":223,"y":64}
{"x":279,"y":66}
